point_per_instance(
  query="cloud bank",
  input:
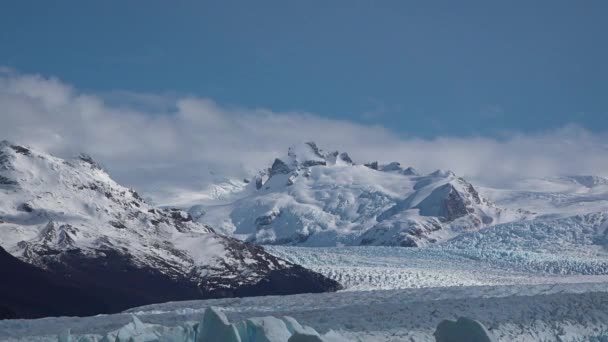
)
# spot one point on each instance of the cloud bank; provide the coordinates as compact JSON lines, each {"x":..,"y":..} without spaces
{"x":163,"y":144}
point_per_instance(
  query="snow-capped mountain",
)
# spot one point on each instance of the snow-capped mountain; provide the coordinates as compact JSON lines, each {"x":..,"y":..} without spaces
{"x":570,"y":214}
{"x":316,"y":198}
{"x":70,"y":218}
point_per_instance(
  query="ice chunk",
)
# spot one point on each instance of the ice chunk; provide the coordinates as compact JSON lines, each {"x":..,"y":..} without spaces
{"x":215,"y":328}
{"x":295,"y":327}
{"x":65,"y":336}
{"x":462,"y":330}
{"x":305,"y":337}
{"x":263,"y":329}
{"x":137,"y":331}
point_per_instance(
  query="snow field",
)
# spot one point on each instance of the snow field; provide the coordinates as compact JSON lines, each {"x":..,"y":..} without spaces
{"x":381,"y":268}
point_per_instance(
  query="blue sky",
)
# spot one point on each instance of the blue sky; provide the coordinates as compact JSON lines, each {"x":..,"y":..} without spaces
{"x":420,"y":68}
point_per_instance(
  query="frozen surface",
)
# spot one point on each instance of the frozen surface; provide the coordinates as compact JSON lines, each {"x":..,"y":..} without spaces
{"x":570,"y":312}
{"x":537,"y":274}
{"x":377,"y":267}
{"x":402,"y":294}
{"x":214,"y":327}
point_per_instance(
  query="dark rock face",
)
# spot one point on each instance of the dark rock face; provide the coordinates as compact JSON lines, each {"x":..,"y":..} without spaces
{"x":259,"y":183}
{"x":77,"y":284}
{"x":89,"y":160}
{"x":278,"y":281}
{"x":455,"y":206}
{"x":21,"y":149}
{"x":279,"y":167}
{"x":310,"y":163}
{"x":6,"y":181}
{"x":118,"y":224}
{"x":315,"y":149}
{"x":180,"y":215}
{"x":30,"y":292}
{"x":471,"y":190}
{"x":444,"y":202}
{"x":372,"y":165}
{"x":403,"y":234}
{"x":26,"y":207}
{"x":345,"y":158}
{"x":285,"y":282}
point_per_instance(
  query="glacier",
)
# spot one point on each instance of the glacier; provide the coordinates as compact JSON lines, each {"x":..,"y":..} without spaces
{"x":213,"y":327}
{"x":543,"y":312}
{"x":527,"y":261}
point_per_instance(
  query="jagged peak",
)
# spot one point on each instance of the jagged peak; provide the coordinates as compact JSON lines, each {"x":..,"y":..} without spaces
{"x":442,"y":173}
{"x":372,"y":165}
{"x":313,"y":146}
{"x":446,"y":202}
{"x":410,"y":171}
{"x":279,"y":167}
{"x":345,"y":158}
{"x":6,"y":144}
{"x":306,"y":154}
{"x":309,"y":154}
{"x":392,"y":166}
{"x":89,"y":160}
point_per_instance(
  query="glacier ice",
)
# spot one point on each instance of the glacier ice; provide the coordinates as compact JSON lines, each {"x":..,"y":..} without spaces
{"x":214,"y":327}
{"x":463,"y":329}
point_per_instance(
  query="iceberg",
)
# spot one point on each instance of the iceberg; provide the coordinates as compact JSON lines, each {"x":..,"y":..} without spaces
{"x":214,"y":327}
{"x":462,"y":330}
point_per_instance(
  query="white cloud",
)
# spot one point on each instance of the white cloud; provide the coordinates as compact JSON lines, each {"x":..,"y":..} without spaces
{"x":161,"y":144}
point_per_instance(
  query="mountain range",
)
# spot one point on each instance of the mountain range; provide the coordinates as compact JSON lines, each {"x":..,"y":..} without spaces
{"x":75,"y":242}
{"x":67,"y":224}
{"x":311,"y":197}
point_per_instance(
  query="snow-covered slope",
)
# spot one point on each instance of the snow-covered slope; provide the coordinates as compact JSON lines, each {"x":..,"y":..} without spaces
{"x":70,"y":217}
{"x":310,"y":197}
{"x":219,"y":191}
{"x":552,"y":197}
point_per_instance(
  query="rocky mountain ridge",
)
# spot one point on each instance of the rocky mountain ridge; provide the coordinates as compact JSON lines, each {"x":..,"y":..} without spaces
{"x":317,"y":198}
{"x":68,"y":217}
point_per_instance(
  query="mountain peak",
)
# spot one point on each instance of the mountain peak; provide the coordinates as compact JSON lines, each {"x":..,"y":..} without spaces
{"x":89,"y":160}
{"x":10,"y":146}
{"x":71,"y":218}
{"x":442,"y":173}
{"x":305,"y":199}
{"x":306,"y":154}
